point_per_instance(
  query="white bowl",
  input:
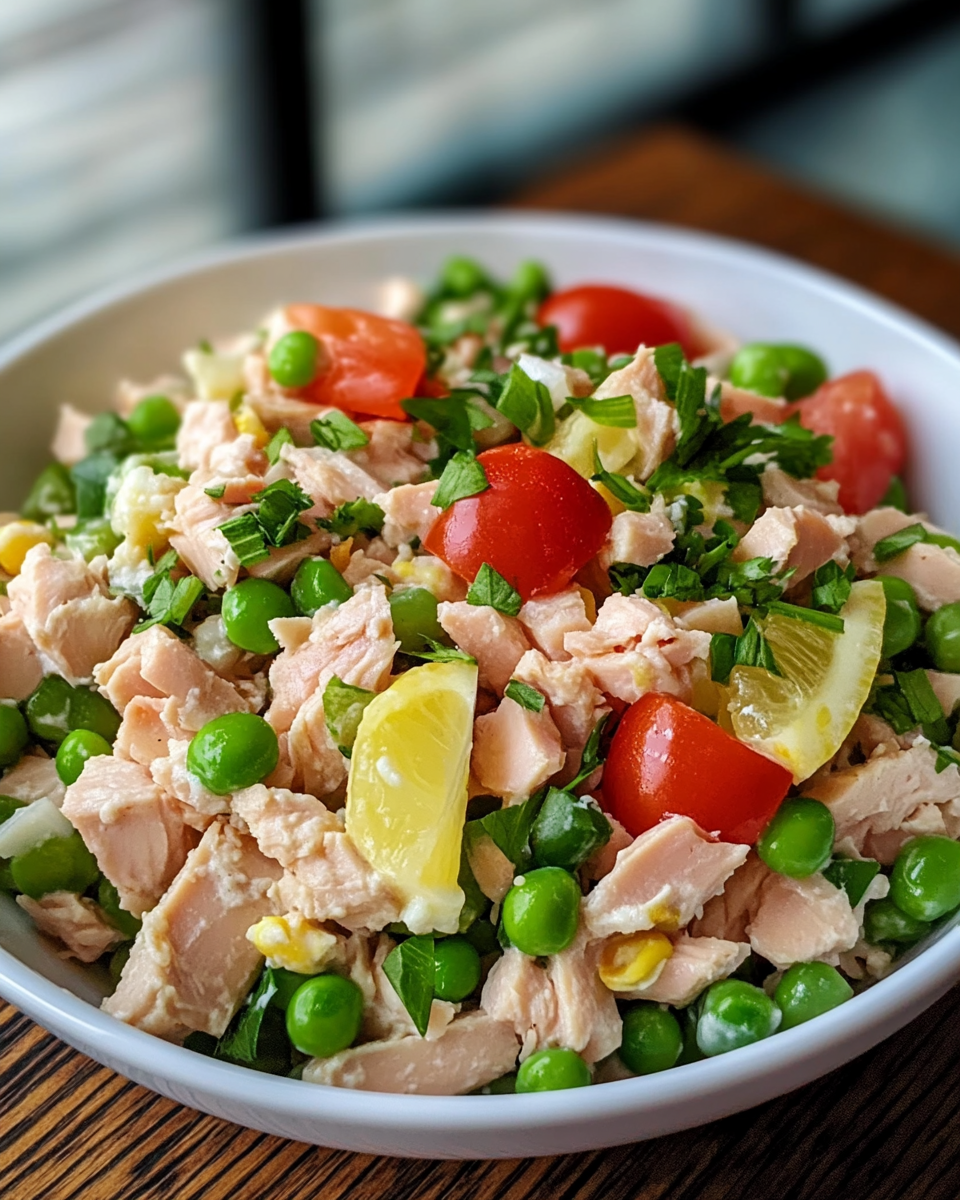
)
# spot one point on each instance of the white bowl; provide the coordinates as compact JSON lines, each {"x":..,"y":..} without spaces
{"x":140,"y":330}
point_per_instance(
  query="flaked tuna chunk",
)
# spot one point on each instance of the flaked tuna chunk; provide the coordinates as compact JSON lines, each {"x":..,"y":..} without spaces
{"x":384,"y":1015}
{"x":798,"y":539}
{"x":801,"y":920}
{"x":408,"y":512}
{"x":329,"y":477}
{"x":392,"y":456}
{"x":603,"y":861}
{"x":781,"y":490}
{"x":515,"y":750}
{"x":197,"y":537}
{"x":171,"y":776}
{"x":639,"y":538}
{"x":32,"y":778}
{"x":67,"y":610}
{"x":472,"y":1051}
{"x":924,"y":820}
{"x":75,"y":921}
{"x":496,"y":641}
{"x":327,"y":878}
{"x":148,"y":726}
{"x":69,"y":442}
{"x":657,"y":422}
{"x":695,"y":964}
{"x":558,"y":378}
{"x":318,"y":766}
{"x":946,"y":688}
{"x":663,"y":878}
{"x":547,"y":621}
{"x":156,"y":663}
{"x":191,"y":964}
{"x":20,"y":669}
{"x":877,"y":796}
{"x":635,"y":648}
{"x":282,"y":564}
{"x":932,"y":571}
{"x":237,"y":466}
{"x":710,"y":616}
{"x":353,"y":641}
{"x":735,"y":401}
{"x":205,"y":426}
{"x":727,"y":914}
{"x":136,"y":833}
{"x":576,"y":705}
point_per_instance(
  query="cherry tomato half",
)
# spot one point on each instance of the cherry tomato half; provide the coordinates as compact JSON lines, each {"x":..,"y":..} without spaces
{"x":372,"y":362}
{"x":870,"y":441}
{"x":537,"y":524}
{"x":666,"y":759}
{"x":596,"y":314}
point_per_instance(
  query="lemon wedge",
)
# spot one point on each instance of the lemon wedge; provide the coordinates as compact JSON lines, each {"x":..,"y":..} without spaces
{"x":407,"y":789}
{"x":576,"y":437}
{"x":801,"y":718}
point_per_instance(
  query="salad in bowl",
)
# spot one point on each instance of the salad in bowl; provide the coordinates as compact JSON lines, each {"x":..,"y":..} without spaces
{"x":510,"y":689}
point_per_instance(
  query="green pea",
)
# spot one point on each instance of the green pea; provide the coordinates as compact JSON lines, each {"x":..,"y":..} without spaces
{"x":52,"y":494}
{"x":883,"y":922}
{"x":273,"y":1045}
{"x":14,"y":735}
{"x":541,"y":911}
{"x":568,"y":829}
{"x":691,"y":1052}
{"x":154,"y":422}
{"x":808,"y":989}
{"x":925,"y":881}
{"x":233,"y":752}
{"x":91,"y":538}
{"x":287,"y":983}
{"x":59,"y":864}
{"x":942,"y":637}
{"x":735,"y":1014}
{"x":200,"y":1042}
{"x":56,"y":709}
{"x":799,"y":840}
{"x":118,"y":960}
{"x":902,"y":623}
{"x":652,"y":1039}
{"x":324,"y":1014}
{"x":461,"y":277}
{"x":90,"y":710}
{"x":293,"y":359}
{"x":777,"y":370}
{"x":414,"y":613}
{"x":248,"y":607}
{"x":8,"y":806}
{"x":530,"y":282}
{"x":317,"y":583}
{"x":506,"y":1085}
{"x":552,"y":1071}
{"x":109,"y":900}
{"x":108,"y":432}
{"x":482,"y":936}
{"x":457,"y":969}
{"x":74,"y":751}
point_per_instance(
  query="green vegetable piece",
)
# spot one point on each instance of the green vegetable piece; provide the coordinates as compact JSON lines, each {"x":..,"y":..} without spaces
{"x":154,"y":422}
{"x":491,"y":588}
{"x":506,"y":1085}
{"x":233,"y":752}
{"x":592,"y":756}
{"x":568,"y":830}
{"x":109,"y":900}
{"x":897,"y":543}
{"x":853,"y":875}
{"x":831,"y":586}
{"x":636,"y":499}
{"x":53,"y":493}
{"x":248,"y":607}
{"x":89,"y":478}
{"x":457,"y":969}
{"x":808,"y":989}
{"x":942,"y":637}
{"x":355,"y":516}
{"x":90,"y":710}
{"x":118,"y":960}
{"x":286,"y":984}
{"x":14,"y":735}
{"x":294,"y":358}
{"x":618,"y":412}
{"x":415,"y":621}
{"x":56,"y":709}
{"x":278,"y":507}
{"x":796,"y":612}
{"x":541,"y":911}
{"x":902,"y":623}
{"x":883,"y":922}
{"x":925,"y":881}
{"x":59,"y":864}
{"x":91,"y":538}
{"x":246,"y":539}
{"x":528,"y":404}
{"x":74,"y":751}
{"x":343,"y":709}
{"x":691,"y":1052}
{"x":509,"y":829}
{"x":336,"y":431}
{"x":530,"y":281}
{"x":735,"y":1014}
{"x":552,"y":1071}
{"x":411,"y":968}
{"x":526,"y":696}
{"x":777,"y":370}
{"x":463,"y":476}
{"x":283,"y":437}
{"x":482,"y":936}
{"x":652,"y":1039}
{"x":316,"y":584}
{"x":799,"y":839}
{"x":896,"y":496}
{"x":8,"y":806}
{"x":460,"y":277}
{"x":723,"y":656}
{"x":255,"y":1037}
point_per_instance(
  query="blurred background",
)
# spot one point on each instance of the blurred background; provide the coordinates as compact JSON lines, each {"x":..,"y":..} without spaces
{"x":134,"y":131}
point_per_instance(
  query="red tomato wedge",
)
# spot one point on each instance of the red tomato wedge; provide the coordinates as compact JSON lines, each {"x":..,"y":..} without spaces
{"x":870,"y":440}
{"x":667,"y":759}
{"x":373,"y":362}
{"x":537,"y":524}
{"x":596,"y":314}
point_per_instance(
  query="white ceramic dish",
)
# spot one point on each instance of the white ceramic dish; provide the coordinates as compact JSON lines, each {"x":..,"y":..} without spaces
{"x":140,"y":331}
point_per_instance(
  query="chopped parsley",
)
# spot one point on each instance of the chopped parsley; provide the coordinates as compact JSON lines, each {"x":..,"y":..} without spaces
{"x":283,"y":437}
{"x":278,"y":509}
{"x":909,"y":702}
{"x":618,"y":412}
{"x":528,"y":404}
{"x":492,"y":589}
{"x":831,"y":586}
{"x":812,"y":616}
{"x":526,"y":696}
{"x":753,"y":649}
{"x":593,"y":755}
{"x":246,"y":538}
{"x":438,"y":652}
{"x":343,"y":707}
{"x":353,"y":517}
{"x":897,"y":543}
{"x":336,"y":431}
{"x":630,"y":495}
{"x":411,"y":968}
{"x":454,"y":419}
{"x":463,"y":476}
{"x":216,"y":492}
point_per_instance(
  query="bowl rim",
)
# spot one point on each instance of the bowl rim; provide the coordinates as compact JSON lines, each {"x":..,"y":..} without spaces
{"x":919,"y":979}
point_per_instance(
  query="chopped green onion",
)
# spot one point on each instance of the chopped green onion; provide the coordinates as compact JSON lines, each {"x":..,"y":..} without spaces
{"x":619,"y":412}
{"x":811,"y":615}
{"x":897,"y":543}
{"x":526,"y":696}
{"x":246,"y":538}
{"x":528,"y":404}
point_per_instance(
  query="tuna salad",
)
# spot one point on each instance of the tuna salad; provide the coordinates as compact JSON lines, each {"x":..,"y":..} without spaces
{"x":510,"y":689}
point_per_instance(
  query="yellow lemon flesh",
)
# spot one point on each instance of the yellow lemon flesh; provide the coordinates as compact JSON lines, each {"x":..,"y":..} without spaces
{"x":801,"y":717}
{"x":576,"y":437}
{"x":407,"y":790}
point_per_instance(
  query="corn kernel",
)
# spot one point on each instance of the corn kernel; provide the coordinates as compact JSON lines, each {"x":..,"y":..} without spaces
{"x":16,"y":539}
{"x":293,"y":942}
{"x":665,"y":916}
{"x":631,"y":960}
{"x":247,"y":421}
{"x":340,"y":554}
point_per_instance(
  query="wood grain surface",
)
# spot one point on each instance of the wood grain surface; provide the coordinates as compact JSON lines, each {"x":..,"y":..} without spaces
{"x":885,"y":1127}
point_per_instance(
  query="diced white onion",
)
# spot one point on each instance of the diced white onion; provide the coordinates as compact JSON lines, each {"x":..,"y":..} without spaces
{"x":30,"y":826}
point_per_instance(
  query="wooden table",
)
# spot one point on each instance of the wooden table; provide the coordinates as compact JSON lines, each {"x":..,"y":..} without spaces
{"x":881,"y":1127}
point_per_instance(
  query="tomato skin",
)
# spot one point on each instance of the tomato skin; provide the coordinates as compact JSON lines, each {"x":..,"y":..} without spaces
{"x":667,"y":759}
{"x":870,"y":440}
{"x":372,"y":363}
{"x":537,"y":524}
{"x":616,"y":318}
